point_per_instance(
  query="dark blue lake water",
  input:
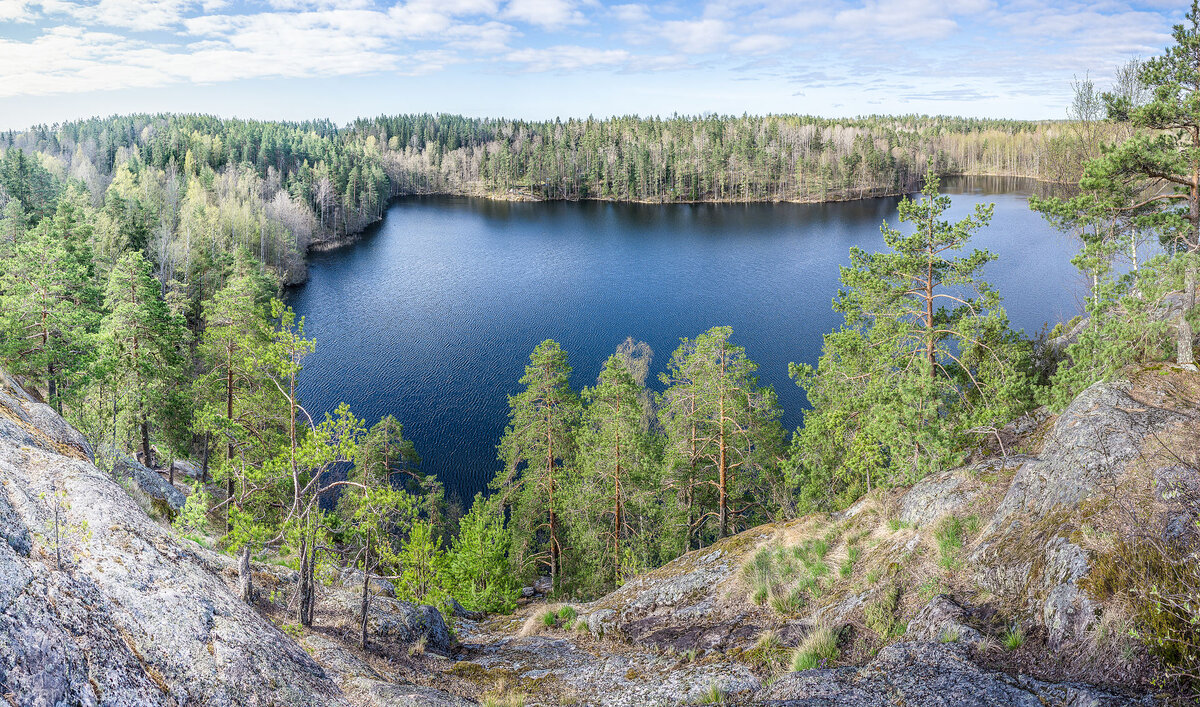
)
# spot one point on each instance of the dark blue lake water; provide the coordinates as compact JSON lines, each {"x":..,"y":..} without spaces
{"x":431,"y":317}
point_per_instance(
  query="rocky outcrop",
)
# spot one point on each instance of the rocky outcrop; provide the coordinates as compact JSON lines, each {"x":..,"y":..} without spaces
{"x":1010,"y":541}
{"x":364,"y":685}
{"x":143,"y":482}
{"x":352,"y":579}
{"x":929,"y":675}
{"x":117,"y":611}
{"x":101,"y":604}
{"x":394,"y":620}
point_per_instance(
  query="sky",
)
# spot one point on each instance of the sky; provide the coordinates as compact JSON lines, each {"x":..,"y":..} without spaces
{"x":541,"y":59}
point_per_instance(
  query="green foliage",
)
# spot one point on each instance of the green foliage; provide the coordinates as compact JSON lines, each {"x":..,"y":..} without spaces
{"x":925,"y":356}
{"x":880,"y":614}
{"x":423,"y":577}
{"x":537,"y":449}
{"x":142,"y":345}
{"x":478,"y":563}
{"x":786,"y":577}
{"x":724,"y":440}
{"x":49,"y":303}
{"x":949,"y":535}
{"x":1159,"y":581}
{"x":617,"y":514}
{"x":193,"y":517}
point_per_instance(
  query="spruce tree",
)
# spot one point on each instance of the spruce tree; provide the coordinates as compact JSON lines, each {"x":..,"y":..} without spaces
{"x":142,"y":345}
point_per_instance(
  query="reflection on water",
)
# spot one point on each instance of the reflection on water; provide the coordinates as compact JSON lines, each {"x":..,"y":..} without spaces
{"x":432,"y":316}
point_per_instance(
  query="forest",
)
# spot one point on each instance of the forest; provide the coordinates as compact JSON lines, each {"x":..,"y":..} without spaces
{"x":142,"y":260}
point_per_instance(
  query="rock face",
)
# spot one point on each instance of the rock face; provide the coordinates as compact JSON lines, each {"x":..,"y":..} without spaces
{"x":364,"y":685}
{"x":147,"y":482}
{"x":352,"y":579}
{"x":133,"y":616}
{"x":397,"y":620}
{"x":929,"y":675}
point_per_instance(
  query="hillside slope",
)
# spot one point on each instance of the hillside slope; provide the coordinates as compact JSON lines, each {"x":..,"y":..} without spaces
{"x":921,"y":589}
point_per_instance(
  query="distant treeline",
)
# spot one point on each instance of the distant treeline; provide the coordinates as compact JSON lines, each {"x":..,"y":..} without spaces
{"x":276,"y":187}
{"x":712,"y":158}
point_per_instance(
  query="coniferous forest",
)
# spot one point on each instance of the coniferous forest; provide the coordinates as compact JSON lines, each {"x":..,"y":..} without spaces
{"x":142,"y":260}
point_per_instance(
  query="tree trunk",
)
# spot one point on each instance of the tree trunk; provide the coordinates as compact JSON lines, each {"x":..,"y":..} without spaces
{"x":1183,"y":344}
{"x":147,"y":456}
{"x":307,"y":551}
{"x":245,"y":580}
{"x":204,"y":458}
{"x":366,"y":593}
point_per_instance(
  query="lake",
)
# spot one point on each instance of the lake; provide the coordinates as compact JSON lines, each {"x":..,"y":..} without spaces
{"x":432,"y":315}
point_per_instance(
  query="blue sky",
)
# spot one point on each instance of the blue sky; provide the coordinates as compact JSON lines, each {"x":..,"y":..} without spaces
{"x":294,"y":59}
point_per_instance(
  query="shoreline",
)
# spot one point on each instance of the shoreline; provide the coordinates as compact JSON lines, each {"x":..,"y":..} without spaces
{"x":515,"y":196}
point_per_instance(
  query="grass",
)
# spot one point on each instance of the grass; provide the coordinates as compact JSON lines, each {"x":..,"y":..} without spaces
{"x":760,"y":594}
{"x":418,"y":646}
{"x":562,"y":616}
{"x":819,"y":648}
{"x":503,"y":695}
{"x":785,"y":577}
{"x":880,"y":615}
{"x":895,"y":524}
{"x":949,"y":537}
{"x":712,"y":695}
{"x":930,"y":588}
{"x":1013,"y":638}
{"x":950,"y":635}
{"x":766,"y":649}
{"x":852,"y":555}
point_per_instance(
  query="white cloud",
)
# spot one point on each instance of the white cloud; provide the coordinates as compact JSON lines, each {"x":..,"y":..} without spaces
{"x":696,"y":36}
{"x":761,"y":44}
{"x":16,"y":11}
{"x":567,"y":58}
{"x":549,"y":14}
{"x":631,"y":13}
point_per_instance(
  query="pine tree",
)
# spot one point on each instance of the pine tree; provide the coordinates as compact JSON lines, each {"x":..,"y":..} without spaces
{"x":727,"y":428}
{"x":614,"y":518}
{"x":477,"y":564}
{"x":537,"y":449}
{"x":235,"y":403}
{"x":925,"y":356}
{"x":49,"y":305}
{"x":1156,"y":173}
